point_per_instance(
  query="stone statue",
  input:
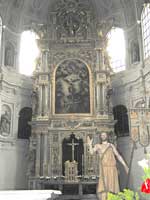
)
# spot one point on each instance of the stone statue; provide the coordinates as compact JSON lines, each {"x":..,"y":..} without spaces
{"x":31,"y":163}
{"x":108,"y":181}
{"x":9,"y":56}
{"x":5,"y":124}
{"x":17,"y":3}
{"x":109,"y":92}
{"x":135,"y":54}
{"x":34,"y":97}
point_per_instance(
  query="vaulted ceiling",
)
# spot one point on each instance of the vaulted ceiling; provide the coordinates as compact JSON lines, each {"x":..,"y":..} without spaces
{"x":20,"y":13}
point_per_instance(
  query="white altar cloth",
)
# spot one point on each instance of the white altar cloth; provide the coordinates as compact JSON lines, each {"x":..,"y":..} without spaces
{"x":28,"y":194}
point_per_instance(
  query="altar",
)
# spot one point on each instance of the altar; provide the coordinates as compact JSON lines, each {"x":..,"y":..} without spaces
{"x":70,"y":85}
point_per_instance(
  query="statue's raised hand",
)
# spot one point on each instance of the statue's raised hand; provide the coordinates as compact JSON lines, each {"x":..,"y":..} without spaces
{"x":89,"y":141}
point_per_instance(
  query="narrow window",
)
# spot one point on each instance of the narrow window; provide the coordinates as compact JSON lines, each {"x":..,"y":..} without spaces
{"x":145,"y":22}
{"x":28,"y":52}
{"x":116,"y":49}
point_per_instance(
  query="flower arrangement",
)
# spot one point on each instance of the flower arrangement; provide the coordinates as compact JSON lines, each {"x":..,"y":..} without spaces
{"x":145,"y":187}
{"x":126,"y":194}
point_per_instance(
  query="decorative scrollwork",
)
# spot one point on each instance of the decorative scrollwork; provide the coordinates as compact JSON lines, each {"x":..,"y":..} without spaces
{"x":71,"y":20}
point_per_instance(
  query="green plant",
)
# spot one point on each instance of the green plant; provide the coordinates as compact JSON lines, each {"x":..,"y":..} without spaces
{"x":125,"y":195}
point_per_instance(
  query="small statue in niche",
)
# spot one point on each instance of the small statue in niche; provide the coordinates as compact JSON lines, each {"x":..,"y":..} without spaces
{"x":37,"y":4}
{"x":9,"y":56}
{"x":31,"y":161}
{"x":5,"y":124}
{"x":109,"y":92}
{"x":135,"y":54}
{"x":34,"y":98}
{"x":38,"y":64}
{"x":41,"y":30}
{"x":17,"y":3}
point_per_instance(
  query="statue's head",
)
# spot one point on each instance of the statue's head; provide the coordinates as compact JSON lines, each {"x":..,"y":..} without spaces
{"x":104,"y":136}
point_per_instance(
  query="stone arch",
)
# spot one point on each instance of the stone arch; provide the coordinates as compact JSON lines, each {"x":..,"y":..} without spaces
{"x":24,"y":129}
{"x":72,"y":87}
{"x":120,"y":113}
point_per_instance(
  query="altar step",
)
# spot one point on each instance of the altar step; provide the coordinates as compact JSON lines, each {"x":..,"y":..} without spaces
{"x":77,"y":197}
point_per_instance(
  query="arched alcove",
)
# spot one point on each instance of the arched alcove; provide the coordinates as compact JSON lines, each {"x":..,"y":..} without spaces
{"x":24,"y":129}
{"x":72,"y":88}
{"x":120,"y":113}
{"x":70,"y":146}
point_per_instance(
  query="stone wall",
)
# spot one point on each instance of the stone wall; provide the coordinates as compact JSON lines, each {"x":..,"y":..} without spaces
{"x":129,"y":91}
{"x":13,"y":164}
{"x":14,"y":95}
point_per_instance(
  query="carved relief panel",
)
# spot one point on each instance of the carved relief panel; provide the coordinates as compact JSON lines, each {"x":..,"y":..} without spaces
{"x":71,"y":19}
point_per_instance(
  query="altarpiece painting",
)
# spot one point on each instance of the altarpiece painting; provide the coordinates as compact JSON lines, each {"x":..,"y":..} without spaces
{"x":72,"y":93}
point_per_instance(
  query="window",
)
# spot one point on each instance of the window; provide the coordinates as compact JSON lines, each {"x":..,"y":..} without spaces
{"x":24,"y":129}
{"x":28,"y":52}
{"x":116,"y":49}
{"x":145,"y":22}
{"x":120,"y":113}
{"x":1,"y":28}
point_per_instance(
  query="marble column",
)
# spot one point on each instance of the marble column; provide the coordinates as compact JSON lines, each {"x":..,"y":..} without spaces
{"x":46,"y":100}
{"x":43,"y":99}
{"x":45,"y":160}
{"x":100,"y":68}
{"x":98,"y":65}
{"x":37,"y":164}
{"x":101,"y":97}
{"x":98,"y":93}
{"x":50,"y":157}
{"x":40,"y":100}
{"x":50,"y":96}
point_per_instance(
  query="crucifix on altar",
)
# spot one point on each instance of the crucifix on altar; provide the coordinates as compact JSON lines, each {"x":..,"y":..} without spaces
{"x":72,"y":151}
{"x":73,"y":144}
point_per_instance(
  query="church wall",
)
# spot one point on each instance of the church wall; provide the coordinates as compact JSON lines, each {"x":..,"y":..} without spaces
{"x":14,"y":95}
{"x":128,"y":91}
{"x":13,"y":164}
